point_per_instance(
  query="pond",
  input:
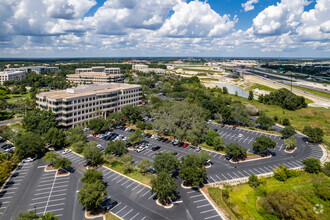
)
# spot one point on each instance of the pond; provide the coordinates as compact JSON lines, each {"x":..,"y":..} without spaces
{"x":232,"y":89}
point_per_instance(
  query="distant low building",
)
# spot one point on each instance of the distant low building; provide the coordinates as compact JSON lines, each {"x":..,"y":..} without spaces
{"x":79,"y":105}
{"x":140,"y":67}
{"x":146,"y":69}
{"x":95,"y":77}
{"x":110,"y":70}
{"x":37,"y":69}
{"x":11,"y":75}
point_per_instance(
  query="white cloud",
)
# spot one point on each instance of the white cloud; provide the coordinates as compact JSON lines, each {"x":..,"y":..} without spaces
{"x":279,"y":19}
{"x":249,"y":5}
{"x":196,"y":19}
{"x":68,"y":9}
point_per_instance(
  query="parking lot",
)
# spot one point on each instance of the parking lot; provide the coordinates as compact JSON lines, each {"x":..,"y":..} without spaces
{"x":50,"y":194}
{"x":7,"y":194}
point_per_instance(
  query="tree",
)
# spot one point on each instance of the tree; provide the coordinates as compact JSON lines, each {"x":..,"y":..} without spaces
{"x":6,"y":167}
{"x":236,"y":151}
{"x":265,"y":121}
{"x":312,"y":165}
{"x":286,"y":122}
{"x":224,"y":90}
{"x":78,"y":147}
{"x":314,"y":134}
{"x":283,"y":173}
{"x":148,"y":126}
{"x":116,"y":147}
{"x":326,"y":168}
{"x":50,"y":157}
{"x":140,"y":125}
{"x":132,"y":113}
{"x":275,"y":118}
{"x":99,"y":125}
{"x":250,"y":95}
{"x":29,"y":145}
{"x":136,"y":137}
{"x":75,"y":135}
{"x":55,"y":137}
{"x":164,"y":187}
{"x":290,"y":143}
{"x":192,"y":171}
{"x":127,"y":160}
{"x":32,"y":215}
{"x":288,"y":131}
{"x":166,"y":162}
{"x":91,"y":195}
{"x":92,"y":175}
{"x":253,"y":181}
{"x":144,"y":165}
{"x":262,"y":144}
{"x":116,"y":119}
{"x":93,"y":154}
{"x":62,"y":163}
{"x":287,"y":204}
{"x":39,"y":121}
{"x":203,"y":156}
{"x":213,"y":139}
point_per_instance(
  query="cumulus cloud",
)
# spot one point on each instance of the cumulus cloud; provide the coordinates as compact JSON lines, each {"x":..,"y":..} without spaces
{"x":249,"y":5}
{"x":196,"y":19}
{"x":68,"y":9}
{"x":280,"y":18}
{"x":116,"y":17}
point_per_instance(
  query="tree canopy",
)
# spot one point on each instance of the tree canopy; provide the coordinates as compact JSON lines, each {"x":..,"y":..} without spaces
{"x":93,"y":154}
{"x":91,"y":195}
{"x":39,"y":121}
{"x":265,"y":121}
{"x":92,"y":175}
{"x":314,"y":134}
{"x":136,"y":137}
{"x":29,"y":145}
{"x":62,"y":163}
{"x":116,"y":147}
{"x":312,"y":165}
{"x":99,"y":125}
{"x":288,"y":131}
{"x":263,"y":143}
{"x":166,"y":162}
{"x":236,"y":151}
{"x":55,"y":137}
{"x":164,"y":187}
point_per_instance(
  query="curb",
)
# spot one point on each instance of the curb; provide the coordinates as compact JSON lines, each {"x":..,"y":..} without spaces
{"x":244,"y":161}
{"x":213,"y":205}
{"x":324,"y":157}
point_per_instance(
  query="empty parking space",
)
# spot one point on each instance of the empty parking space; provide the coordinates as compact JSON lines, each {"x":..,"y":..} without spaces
{"x":50,"y":194}
{"x":12,"y":185}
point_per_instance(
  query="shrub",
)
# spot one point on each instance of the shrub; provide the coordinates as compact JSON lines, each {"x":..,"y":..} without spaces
{"x":253,"y":181}
{"x":312,"y":165}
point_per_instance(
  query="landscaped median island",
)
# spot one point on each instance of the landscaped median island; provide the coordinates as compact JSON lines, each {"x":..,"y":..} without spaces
{"x":288,"y":195}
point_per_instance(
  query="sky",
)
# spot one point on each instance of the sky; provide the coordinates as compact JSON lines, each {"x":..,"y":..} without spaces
{"x":164,"y":28}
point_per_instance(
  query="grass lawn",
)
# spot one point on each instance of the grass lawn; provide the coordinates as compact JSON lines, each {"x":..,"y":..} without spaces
{"x":246,"y":201}
{"x":17,"y":127}
{"x":110,"y":216}
{"x":313,"y":91}
{"x":135,"y":174}
{"x":312,"y":116}
{"x":261,"y":87}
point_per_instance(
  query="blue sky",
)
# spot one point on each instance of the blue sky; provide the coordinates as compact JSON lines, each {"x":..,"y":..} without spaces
{"x":253,"y":28}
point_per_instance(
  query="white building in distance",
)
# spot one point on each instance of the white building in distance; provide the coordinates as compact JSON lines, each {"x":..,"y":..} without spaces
{"x":95,"y":77}
{"x":11,"y":75}
{"x":81,"y":104}
{"x":110,"y":70}
{"x":36,"y":69}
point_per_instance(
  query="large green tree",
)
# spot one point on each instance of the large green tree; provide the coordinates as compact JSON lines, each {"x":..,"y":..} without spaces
{"x":144,"y":165}
{"x":98,"y":125}
{"x":265,"y":121}
{"x":136,"y":136}
{"x":288,"y":131}
{"x":192,"y":171}
{"x":314,"y":134}
{"x":164,"y":187}
{"x":55,"y":137}
{"x":29,"y":145}
{"x":166,"y":162}
{"x":116,"y":147}
{"x":91,"y":195}
{"x":74,"y":135}
{"x":236,"y":151}
{"x":62,"y":163}
{"x":116,"y":119}
{"x":213,"y":139}
{"x":312,"y":165}
{"x":31,"y":215}
{"x":290,"y":142}
{"x":50,"y":157}
{"x":93,"y":154}
{"x":262,"y":144}
{"x":92,"y":175}
{"x":132,"y":113}
{"x":39,"y":121}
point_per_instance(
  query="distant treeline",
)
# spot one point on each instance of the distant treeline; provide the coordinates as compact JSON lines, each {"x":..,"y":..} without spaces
{"x":315,"y":70}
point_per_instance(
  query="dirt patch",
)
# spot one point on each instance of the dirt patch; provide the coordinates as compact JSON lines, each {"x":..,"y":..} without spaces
{"x":50,"y":168}
{"x":95,"y":214}
{"x":62,"y":172}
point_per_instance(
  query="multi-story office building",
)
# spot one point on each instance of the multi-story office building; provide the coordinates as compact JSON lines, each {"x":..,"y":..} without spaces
{"x":110,"y":70}
{"x":95,"y":77}
{"x":79,"y":105}
{"x":36,"y":69}
{"x":11,"y":75}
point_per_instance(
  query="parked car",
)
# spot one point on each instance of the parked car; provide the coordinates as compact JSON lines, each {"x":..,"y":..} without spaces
{"x":154,"y":148}
{"x":176,"y":142}
{"x":6,"y":146}
{"x":234,"y":128}
{"x":148,"y":135}
{"x":198,"y":149}
{"x":222,"y":125}
{"x":165,"y":139}
{"x":98,"y":145}
{"x":209,"y":121}
{"x":29,"y":159}
{"x":228,"y":156}
{"x":174,"y":153}
{"x":66,"y":151}
{"x":180,"y":144}
{"x":108,"y":203}
{"x":95,"y":134}
{"x":240,"y":135}
{"x":216,"y":130}
{"x":185,"y":145}
{"x":140,"y":149}
{"x":86,"y":129}
{"x":2,"y":139}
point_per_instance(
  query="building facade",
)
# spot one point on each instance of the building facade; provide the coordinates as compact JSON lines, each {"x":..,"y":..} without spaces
{"x":79,"y":105}
{"x":11,"y":75}
{"x":36,"y":69}
{"x":110,"y":70}
{"x":95,"y":77}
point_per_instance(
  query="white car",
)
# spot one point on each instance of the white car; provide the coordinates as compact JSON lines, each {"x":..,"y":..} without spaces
{"x":29,"y":159}
{"x":240,"y":135}
{"x":86,"y":129}
{"x":140,"y":149}
{"x":66,"y":151}
{"x":99,"y":145}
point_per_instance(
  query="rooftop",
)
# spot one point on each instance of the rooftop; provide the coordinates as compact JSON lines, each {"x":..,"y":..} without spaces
{"x":94,"y":74}
{"x":10,"y":72}
{"x":85,"y":90}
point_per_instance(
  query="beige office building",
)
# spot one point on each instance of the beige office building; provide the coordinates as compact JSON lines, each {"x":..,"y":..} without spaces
{"x":11,"y":75}
{"x":110,"y":70}
{"x":95,"y":77}
{"x":79,"y":105}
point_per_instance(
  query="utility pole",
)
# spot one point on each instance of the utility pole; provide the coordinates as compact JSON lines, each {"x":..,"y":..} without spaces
{"x":291,"y":81}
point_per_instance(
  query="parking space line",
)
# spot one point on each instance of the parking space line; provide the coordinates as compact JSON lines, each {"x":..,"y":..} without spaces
{"x":63,"y":194}
{"x":125,"y":182}
{"x":199,"y":200}
{"x":130,"y":184}
{"x":140,"y":190}
{"x":121,"y":209}
{"x":218,"y":177}
{"x":212,"y":178}
{"x":208,"y":211}
{"x":135,"y":216}
{"x":203,"y":205}
{"x":127,"y":213}
{"x":136,"y":187}
{"x":236,"y":175}
{"x":196,"y":196}
{"x":117,"y":177}
{"x":145,"y":193}
{"x":224,"y":176}
{"x":261,"y":169}
{"x":120,"y":180}
{"x":53,"y":210}
{"x":211,"y":217}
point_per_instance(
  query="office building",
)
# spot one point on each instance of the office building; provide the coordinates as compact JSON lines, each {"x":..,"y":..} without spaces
{"x":11,"y":75}
{"x":95,"y":77}
{"x":110,"y":70}
{"x":79,"y":105}
{"x":36,"y":69}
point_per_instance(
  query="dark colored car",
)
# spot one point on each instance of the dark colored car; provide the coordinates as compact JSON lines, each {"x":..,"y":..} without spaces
{"x":234,"y":128}
{"x":6,"y":146}
{"x":216,"y":130}
{"x":132,"y":130}
{"x":164,"y":139}
{"x":174,"y":153}
{"x":228,"y":156}
{"x":108,"y":203}
{"x":159,"y":139}
{"x":223,"y":125}
{"x":2,"y":140}
{"x":154,"y":148}
{"x":148,"y":135}
{"x":180,"y":144}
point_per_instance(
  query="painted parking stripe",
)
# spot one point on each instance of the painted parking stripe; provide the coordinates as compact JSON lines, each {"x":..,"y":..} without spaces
{"x":201,"y":200}
{"x":121,"y":209}
{"x":224,"y":176}
{"x":134,"y":216}
{"x":53,"y":210}
{"x":236,"y":175}
{"x":208,"y":211}
{"x":212,"y":217}
{"x":127,"y":213}
{"x":125,"y":182}
{"x":203,"y":205}
{"x":262,"y":169}
{"x":218,"y":177}
{"x":130,"y":184}
{"x":63,"y":194}
{"x":140,"y":190}
{"x":136,"y":187}
{"x":196,"y":196}
{"x":212,"y":179}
